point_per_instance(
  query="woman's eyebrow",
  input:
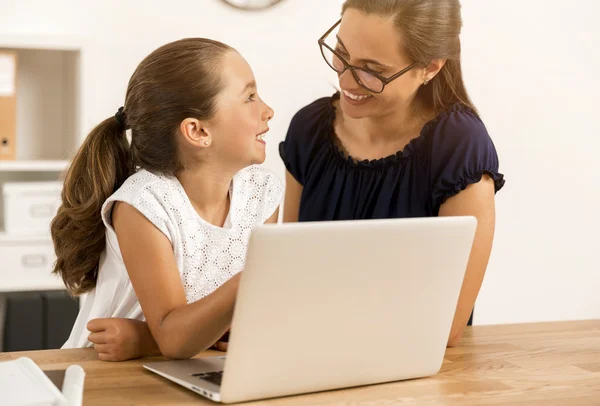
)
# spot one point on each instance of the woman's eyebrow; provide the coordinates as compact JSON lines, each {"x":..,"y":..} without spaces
{"x":371,"y":61}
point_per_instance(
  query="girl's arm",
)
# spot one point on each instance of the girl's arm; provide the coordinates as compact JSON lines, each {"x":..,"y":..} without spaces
{"x":117,"y":339}
{"x":180,"y":330}
{"x":222,"y":344}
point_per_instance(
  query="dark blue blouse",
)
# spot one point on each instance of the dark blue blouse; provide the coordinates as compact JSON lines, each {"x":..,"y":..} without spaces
{"x":452,"y":151}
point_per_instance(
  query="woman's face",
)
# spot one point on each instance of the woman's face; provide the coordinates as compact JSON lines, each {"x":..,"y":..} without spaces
{"x":373,"y":43}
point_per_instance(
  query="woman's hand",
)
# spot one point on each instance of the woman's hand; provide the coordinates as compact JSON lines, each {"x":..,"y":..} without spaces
{"x":121,"y":339}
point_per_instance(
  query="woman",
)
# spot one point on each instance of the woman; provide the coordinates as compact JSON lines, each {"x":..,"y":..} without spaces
{"x":401,"y":138}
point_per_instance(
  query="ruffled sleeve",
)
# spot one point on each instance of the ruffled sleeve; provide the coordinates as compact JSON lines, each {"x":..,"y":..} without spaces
{"x":461,"y":153}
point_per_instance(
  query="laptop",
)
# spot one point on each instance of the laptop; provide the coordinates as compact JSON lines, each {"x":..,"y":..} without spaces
{"x":330,"y":305}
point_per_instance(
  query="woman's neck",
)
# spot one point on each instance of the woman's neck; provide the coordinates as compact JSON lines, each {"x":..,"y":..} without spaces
{"x":391,"y":127}
{"x":208,"y":191}
{"x":394,"y":129}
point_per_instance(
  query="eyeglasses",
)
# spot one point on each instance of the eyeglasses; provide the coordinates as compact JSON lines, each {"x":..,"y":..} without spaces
{"x":370,"y":80}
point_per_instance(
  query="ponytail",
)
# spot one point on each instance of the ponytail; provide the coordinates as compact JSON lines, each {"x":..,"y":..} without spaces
{"x":99,"y":168}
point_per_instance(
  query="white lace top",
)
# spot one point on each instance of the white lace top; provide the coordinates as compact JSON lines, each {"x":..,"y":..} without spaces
{"x":207,"y":255}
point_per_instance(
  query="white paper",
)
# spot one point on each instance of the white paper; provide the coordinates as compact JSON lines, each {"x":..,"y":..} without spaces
{"x":22,"y":383}
{"x":72,"y":387}
{"x":7,"y":75}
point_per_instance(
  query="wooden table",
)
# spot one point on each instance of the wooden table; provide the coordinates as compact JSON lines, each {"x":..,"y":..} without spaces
{"x":529,"y":364}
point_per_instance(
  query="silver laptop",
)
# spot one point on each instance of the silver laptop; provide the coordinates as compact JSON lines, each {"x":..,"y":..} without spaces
{"x":330,"y":305}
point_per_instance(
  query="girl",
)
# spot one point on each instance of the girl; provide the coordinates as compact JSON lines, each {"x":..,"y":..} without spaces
{"x":156,"y":229}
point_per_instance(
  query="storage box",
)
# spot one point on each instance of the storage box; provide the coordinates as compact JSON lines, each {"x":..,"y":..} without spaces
{"x":8,"y":105}
{"x":29,"y":207}
{"x":26,"y":263}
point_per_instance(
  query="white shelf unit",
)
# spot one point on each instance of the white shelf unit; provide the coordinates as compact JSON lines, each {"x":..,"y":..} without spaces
{"x":41,"y":42}
{"x":26,"y":264}
{"x":34,"y":166}
{"x":48,"y":120}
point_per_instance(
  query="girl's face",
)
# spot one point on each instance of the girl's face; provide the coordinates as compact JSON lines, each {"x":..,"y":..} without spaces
{"x":236,"y":132}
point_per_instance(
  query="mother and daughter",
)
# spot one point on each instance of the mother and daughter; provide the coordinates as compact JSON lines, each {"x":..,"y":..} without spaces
{"x":155,"y":222}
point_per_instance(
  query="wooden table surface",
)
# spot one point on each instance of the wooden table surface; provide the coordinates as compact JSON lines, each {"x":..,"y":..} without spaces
{"x":529,"y":364}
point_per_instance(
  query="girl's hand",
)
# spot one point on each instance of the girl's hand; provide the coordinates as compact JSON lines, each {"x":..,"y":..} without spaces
{"x":223,"y":342}
{"x":117,"y":339}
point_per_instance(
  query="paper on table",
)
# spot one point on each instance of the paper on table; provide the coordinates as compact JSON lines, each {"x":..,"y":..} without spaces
{"x":22,"y":383}
{"x":7,"y":75}
{"x":72,"y":387}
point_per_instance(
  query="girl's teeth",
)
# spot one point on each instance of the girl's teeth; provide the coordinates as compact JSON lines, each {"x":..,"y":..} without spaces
{"x":357,"y":97}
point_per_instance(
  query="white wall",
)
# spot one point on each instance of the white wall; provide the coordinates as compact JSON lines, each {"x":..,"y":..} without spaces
{"x":532,"y":68}
{"x":530,"y":65}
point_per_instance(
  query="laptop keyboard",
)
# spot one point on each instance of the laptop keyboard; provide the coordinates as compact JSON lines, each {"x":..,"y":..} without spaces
{"x":212,"y":377}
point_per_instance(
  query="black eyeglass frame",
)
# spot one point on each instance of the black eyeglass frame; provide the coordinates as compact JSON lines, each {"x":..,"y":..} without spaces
{"x":385,"y":81}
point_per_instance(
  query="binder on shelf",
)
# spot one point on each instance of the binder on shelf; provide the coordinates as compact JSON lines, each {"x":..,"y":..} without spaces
{"x":24,"y":323}
{"x":61,"y":311}
{"x":8,"y":105}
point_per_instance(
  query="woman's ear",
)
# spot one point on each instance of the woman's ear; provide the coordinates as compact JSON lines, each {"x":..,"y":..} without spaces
{"x":433,"y":69}
{"x":195,"y":132}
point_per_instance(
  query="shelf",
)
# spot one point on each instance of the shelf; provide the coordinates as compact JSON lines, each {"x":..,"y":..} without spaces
{"x":52,"y":283}
{"x":48,"y":102}
{"x":34,"y":238}
{"x":46,"y":42}
{"x":48,"y":127}
{"x":33,"y":166}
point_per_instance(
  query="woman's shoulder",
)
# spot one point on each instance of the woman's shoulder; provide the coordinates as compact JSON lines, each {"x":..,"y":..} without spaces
{"x":317,"y":107}
{"x":461,"y":151}
{"x":318,"y":113}
{"x":458,"y":125}
{"x":307,"y":135}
